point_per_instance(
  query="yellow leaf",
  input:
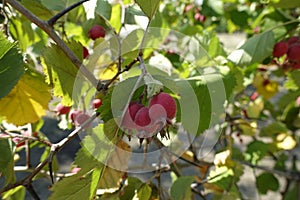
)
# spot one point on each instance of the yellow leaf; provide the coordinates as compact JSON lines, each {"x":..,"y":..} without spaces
{"x":27,"y":101}
{"x":108,"y":73}
{"x":266,"y":88}
{"x":248,"y":128}
{"x":285,"y":141}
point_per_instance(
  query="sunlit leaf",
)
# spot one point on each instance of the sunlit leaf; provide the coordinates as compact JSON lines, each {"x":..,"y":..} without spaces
{"x":148,"y":7}
{"x":144,"y":192}
{"x":28,"y":100}
{"x":11,"y":66}
{"x":181,"y":188}
{"x":15,"y":193}
{"x":7,"y":160}
{"x":285,"y":141}
{"x":81,"y":187}
{"x":60,"y":71}
{"x":255,"y":49}
{"x":37,"y":8}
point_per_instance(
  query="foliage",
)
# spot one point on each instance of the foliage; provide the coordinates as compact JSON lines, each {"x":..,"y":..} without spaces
{"x":241,"y":105}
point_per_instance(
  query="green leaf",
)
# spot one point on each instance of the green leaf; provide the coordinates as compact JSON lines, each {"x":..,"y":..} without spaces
{"x":286,"y":4}
{"x":265,"y":182}
{"x":257,"y":150}
{"x":149,"y":7}
{"x":132,"y":186}
{"x":37,"y":8}
{"x":54,"y":5}
{"x":7,"y":160}
{"x":11,"y":66}
{"x":76,"y":187}
{"x":295,"y":76}
{"x":144,"y":192}
{"x":272,"y":129}
{"x":60,"y":71}
{"x":181,"y":188}
{"x":104,"y":9}
{"x":202,"y":99}
{"x":15,"y":193}
{"x":28,"y":100}
{"x":254,"y":50}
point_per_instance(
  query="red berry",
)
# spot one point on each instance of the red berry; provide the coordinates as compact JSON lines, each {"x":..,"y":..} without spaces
{"x":280,"y":49}
{"x":294,"y":39}
{"x":142,"y":117}
{"x":199,"y":17}
{"x":157,"y":112}
{"x":81,"y":118}
{"x":293,"y":53}
{"x":128,"y":119}
{"x":96,"y":32}
{"x":167,"y":102}
{"x":61,"y":109}
{"x":85,"y":52}
{"x":73,"y":114}
{"x":97,"y":103}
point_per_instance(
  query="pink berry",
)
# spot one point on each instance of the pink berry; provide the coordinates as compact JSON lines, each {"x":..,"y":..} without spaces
{"x":142,"y":117}
{"x":61,"y":109}
{"x":293,"y":53}
{"x":73,"y":114}
{"x":96,"y":32}
{"x":128,"y":119}
{"x":85,"y":52}
{"x":97,"y":103}
{"x":80,"y":119}
{"x":157,"y":112}
{"x":167,"y":102}
{"x":280,"y":49}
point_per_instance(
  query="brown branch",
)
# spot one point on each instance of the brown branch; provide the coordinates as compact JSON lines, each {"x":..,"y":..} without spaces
{"x":52,"y":34}
{"x":15,"y":135}
{"x":54,"y":149}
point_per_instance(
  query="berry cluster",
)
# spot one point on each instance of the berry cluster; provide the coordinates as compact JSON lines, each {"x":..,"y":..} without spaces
{"x":148,"y":121}
{"x":289,"y":51}
{"x":77,"y":117}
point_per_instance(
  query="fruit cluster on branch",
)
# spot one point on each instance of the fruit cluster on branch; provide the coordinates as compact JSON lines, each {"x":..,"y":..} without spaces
{"x":148,"y":121}
{"x":286,"y":53}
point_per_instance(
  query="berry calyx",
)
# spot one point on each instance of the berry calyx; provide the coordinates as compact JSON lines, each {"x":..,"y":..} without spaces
{"x":280,"y":49}
{"x":294,"y":53}
{"x":165,"y":100}
{"x":97,"y":103}
{"x":61,"y":109}
{"x":96,"y":32}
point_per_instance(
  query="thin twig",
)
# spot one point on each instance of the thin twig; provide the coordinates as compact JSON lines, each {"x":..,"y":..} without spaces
{"x":52,"y":34}
{"x":53,"y":19}
{"x":55,"y":148}
{"x":16,"y":135}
